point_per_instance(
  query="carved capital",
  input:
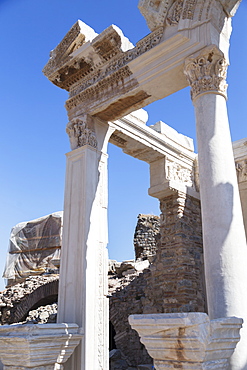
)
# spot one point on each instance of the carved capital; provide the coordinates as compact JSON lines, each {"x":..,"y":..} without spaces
{"x":206,"y":72}
{"x":80,"y":133}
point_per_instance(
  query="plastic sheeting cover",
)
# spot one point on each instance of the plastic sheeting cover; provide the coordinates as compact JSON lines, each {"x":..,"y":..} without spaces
{"x":32,"y":246}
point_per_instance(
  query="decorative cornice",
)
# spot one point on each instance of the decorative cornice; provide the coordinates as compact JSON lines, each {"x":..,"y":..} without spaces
{"x":80,"y":134}
{"x":62,"y":53}
{"x":206,"y":72}
{"x":105,"y":88}
{"x":68,"y":71}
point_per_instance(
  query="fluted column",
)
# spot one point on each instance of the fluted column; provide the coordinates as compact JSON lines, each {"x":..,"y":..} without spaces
{"x":225,"y":250}
{"x":83,"y":272}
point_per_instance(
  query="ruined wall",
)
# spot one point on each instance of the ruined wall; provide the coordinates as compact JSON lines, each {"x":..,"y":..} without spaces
{"x":17,"y":300}
{"x":174,"y":280}
{"x":146,"y":235}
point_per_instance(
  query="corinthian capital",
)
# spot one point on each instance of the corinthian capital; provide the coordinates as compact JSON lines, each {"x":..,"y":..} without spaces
{"x":80,"y":133}
{"x":206,"y":72}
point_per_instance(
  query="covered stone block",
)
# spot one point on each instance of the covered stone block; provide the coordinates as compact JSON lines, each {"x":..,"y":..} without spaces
{"x":188,"y":340}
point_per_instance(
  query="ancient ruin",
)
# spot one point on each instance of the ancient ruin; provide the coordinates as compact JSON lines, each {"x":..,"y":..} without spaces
{"x":108,"y":79}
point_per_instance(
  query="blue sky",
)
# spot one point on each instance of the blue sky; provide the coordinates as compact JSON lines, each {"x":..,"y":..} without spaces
{"x":33,"y":118}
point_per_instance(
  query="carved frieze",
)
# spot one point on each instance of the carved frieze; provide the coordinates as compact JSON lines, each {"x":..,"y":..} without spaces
{"x":80,"y":134}
{"x":206,"y":72}
{"x":155,"y":12}
{"x":170,"y":12}
{"x":176,"y":172}
{"x":98,"y":74}
{"x":241,"y":169}
{"x":175,"y":12}
{"x":104,"y":89}
{"x":189,"y":9}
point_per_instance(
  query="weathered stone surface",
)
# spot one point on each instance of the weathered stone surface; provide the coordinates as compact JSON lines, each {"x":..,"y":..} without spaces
{"x":32,"y":346}
{"x":188,"y":340}
{"x":17,"y":300}
{"x":176,"y":278}
{"x":146,"y":235}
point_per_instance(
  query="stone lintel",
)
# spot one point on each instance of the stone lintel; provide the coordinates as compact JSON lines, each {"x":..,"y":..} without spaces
{"x":173,"y":173}
{"x":108,"y":77}
{"x":169,"y":188}
{"x":147,"y":143}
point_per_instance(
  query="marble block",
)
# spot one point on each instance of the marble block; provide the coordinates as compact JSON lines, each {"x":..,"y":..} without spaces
{"x":188,"y":340}
{"x":37,"y":346}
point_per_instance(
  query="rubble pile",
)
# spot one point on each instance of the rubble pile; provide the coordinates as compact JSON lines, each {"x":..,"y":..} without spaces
{"x":16,"y":301}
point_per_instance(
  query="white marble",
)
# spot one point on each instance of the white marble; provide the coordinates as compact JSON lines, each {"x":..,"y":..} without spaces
{"x":224,"y":241}
{"x":187,"y":340}
{"x":84,"y":260}
{"x":37,"y":346}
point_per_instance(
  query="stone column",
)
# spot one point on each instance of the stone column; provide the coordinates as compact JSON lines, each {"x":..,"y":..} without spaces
{"x":225,"y":251}
{"x":83,"y":272}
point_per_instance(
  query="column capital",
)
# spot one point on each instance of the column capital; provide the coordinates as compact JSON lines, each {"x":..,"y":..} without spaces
{"x":81,"y":132}
{"x":206,"y":72}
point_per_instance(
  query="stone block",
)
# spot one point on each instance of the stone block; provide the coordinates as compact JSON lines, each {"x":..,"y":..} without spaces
{"x":41,"y":346}
{"x":188,"y":340}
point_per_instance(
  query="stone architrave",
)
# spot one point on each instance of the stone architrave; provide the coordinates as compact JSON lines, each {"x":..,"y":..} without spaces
{"x":84,"y":260}
{"x":189,"y":341}
{"x":37,"y":346}
{"x":225,"y":251}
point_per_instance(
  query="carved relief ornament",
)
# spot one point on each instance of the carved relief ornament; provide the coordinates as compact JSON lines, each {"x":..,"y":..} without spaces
{"x":206,"y":73}
{"x":241,"y":169}
{"x":176,"y":172}
{"x":80,"y":134}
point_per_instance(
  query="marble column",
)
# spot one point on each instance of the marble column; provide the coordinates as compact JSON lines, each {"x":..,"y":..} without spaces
{"x":225,"y":250}
{"x":83,"y":271}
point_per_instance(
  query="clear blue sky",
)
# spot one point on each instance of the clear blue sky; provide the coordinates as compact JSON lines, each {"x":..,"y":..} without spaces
{"x":33,"y":118}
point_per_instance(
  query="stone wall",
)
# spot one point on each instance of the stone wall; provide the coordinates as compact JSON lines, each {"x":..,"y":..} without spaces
{"x":172,"y":283}
{"x":146,"y":234}
{"x":176,"y":281}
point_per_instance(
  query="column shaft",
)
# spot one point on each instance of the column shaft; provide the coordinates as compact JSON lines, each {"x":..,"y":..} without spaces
{"x":224,"y":243}
{"x":83,"y":275}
